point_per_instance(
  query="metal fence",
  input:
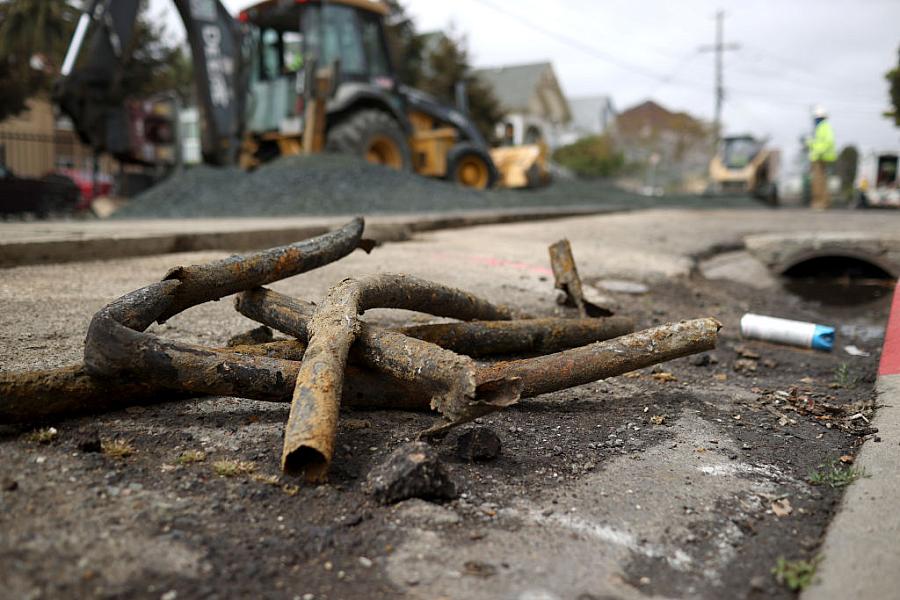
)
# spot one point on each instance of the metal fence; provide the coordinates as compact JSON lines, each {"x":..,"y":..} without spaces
{"x":36,"y":154}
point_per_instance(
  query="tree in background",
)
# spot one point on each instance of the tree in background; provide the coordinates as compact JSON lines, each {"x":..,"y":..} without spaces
{"x":435,"y":62}
{"x":14,"y":89}
{"x":405,"y":45}
{"x":155,"y":65}
{"x":593,"y":156}
{"x":33,"y":39}
{"x":445,"y":64}
{"x":34,"y":36}
{"x":893,"y":77}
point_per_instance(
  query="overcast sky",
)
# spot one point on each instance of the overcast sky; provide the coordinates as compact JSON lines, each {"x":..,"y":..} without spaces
{"x":793,"y":54}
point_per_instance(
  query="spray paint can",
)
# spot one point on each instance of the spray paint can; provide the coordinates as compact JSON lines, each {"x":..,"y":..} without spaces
{"x":786,"y":331}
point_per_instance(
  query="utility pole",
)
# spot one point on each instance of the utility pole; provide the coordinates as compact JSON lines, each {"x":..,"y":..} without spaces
{"x":719,"y":49}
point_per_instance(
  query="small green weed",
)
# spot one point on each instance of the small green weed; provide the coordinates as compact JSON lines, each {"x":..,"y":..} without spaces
{"x":795,"y":574}
{"x":842,"y":376}
{"x":233,"y":468}
{"x":43,"y":436}
{"x":836,"y":475}
{"x":191,"y":456}
{"x":117,"y":448}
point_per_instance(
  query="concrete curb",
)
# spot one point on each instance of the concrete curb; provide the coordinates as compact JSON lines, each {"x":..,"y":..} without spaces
{"x":48,"y":243}
{"x":861,"y":553}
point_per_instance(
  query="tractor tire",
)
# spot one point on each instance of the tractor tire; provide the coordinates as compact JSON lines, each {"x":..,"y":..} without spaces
{"x":372,"y":135}
{"x":470,"y":166}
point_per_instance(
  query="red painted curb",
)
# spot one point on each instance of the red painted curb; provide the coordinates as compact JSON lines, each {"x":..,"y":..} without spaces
{"x":890,"y":353}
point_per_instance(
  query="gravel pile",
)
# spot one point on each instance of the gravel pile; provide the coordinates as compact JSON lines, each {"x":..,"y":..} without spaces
{"x":329,"y":184}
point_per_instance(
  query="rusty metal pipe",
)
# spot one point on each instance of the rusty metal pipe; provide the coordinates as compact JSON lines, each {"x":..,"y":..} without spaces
{"x":312,"y":424}
{"x":220,"y":278}
{"x":33,"y":396}
{"x":443,"y":376}
{"x":279,"y":311}
{"x":472,"y":338}
{"x":566,"y":274}
{"x":52,"y":394}
{"x":607,"y":359}
{"x":116,"y":342}
{"x":525,"y":336}
{"x":68,"y":391}
{"x":117,"y":346}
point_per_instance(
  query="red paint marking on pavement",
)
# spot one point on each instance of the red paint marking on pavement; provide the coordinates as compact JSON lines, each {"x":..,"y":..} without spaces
{"x":890,"y":353}
{"x":494,"y":261}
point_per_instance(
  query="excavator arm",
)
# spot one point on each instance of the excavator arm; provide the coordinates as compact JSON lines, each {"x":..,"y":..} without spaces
{"x":90,"y":92}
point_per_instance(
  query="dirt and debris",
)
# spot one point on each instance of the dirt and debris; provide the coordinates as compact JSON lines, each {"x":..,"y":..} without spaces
{"x":822,"y":408}
{"x":667,"y":486}
{"x":89,"y":441}
{"x":413,"y":470}
{"x":257,"y":335}
{"x":478,"y":444}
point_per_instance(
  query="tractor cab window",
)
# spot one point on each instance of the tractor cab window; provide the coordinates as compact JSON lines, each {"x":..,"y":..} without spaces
{"x":281,"y":53}
{"x":291,"y":34}
{"x":354,"y":37}
{"x":341,"y":40}
{"x":374,"y":45}
{"x":270,"y":54}
{"x":739,"y":152}
{"x":292,"y":51}
{"x":280,"y":43}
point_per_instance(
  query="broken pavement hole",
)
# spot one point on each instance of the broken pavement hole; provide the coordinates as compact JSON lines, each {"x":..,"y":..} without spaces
{"x":839,"y":279}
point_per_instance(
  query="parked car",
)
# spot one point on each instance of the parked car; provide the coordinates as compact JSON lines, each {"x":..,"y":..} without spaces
{"x":84,"y":180}
{"x":49,"y":194}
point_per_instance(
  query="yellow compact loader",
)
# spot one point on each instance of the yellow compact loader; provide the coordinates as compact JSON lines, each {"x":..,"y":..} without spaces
{"x":744,"y":165}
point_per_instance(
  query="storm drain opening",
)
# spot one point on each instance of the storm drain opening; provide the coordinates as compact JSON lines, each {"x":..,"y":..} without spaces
{"x":839,"y":279}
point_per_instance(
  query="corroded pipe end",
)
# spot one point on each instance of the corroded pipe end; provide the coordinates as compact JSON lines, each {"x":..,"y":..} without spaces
{"x":307,"y":461}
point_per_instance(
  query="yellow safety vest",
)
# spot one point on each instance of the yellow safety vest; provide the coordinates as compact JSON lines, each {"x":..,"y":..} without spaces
{"x":822,"y":147}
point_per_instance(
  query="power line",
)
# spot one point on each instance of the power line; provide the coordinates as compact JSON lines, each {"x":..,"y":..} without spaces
{"x":661,"y":78}
{"x":670,"y":77}
{"x":755,"y":71}
{"x":583,"y":47}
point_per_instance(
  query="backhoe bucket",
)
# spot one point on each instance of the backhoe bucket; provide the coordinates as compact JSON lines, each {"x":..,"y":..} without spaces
{"x":521,"y":166}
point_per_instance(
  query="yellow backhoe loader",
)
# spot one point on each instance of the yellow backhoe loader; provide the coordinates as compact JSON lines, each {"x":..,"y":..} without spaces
{"x":288,"y":77}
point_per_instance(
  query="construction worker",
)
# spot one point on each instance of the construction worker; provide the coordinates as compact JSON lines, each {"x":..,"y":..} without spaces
{"x":822,"y":154}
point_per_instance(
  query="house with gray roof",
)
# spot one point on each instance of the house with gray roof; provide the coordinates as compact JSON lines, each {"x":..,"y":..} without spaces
{"x":591,"y":115}
{"x":536,"y":107}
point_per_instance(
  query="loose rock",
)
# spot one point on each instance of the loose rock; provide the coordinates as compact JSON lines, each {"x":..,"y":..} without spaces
{"x":259,"y":335}
{"x":700,"y":360}
{"x":411,"y":471}
{"x":744,"y":365}
{"x":478,"y":444}
{"x":89,"y":442}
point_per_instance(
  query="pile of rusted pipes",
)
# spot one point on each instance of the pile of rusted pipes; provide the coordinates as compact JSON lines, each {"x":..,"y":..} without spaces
{"x":333,"y":355}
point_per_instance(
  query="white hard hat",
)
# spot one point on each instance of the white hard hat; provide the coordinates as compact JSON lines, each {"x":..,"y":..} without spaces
{"x":819,"y":112}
